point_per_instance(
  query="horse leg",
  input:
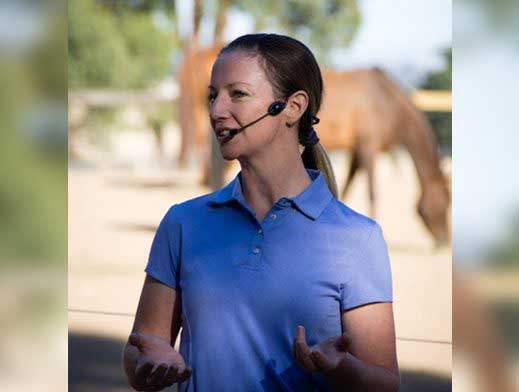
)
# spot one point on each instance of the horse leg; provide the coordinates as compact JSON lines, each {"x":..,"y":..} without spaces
{"x":367,"y":158}
{"x":354,"y":165}
{"x":214,"y":165}
{"x":185,"y":130}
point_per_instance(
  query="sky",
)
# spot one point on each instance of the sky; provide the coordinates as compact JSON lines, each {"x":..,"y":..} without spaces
{"x":405,"y":37}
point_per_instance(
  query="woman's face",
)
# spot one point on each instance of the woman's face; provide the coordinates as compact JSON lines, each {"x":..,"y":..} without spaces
{"x":240,"y":93}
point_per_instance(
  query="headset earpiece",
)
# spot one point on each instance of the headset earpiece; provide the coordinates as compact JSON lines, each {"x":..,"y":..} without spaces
{"x":276,"y":108}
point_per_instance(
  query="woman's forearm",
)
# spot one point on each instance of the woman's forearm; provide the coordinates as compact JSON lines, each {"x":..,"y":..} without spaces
{"x":355,"y":375}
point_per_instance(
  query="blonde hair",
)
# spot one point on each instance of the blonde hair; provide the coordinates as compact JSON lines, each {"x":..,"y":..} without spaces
{"x":315,"y":157}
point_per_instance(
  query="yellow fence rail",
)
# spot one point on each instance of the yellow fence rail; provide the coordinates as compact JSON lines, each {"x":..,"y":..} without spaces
{"x":432,"y":100}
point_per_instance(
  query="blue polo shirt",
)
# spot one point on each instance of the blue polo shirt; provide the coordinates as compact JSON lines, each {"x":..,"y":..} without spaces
{"x":246,"y":285}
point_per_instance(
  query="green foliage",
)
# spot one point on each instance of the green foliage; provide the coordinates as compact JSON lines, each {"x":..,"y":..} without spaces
{"x":97,"y":53}
{"x":99,"y":116}
{"x":159,"y":115}
{"x":507,"y":318}
{"x":441,"y":121}
{"x":33,"y":207}
{"x":441,"y":80}
{"x":505,"y":252}
{"x":51,"y":57}
{"x":320,"y":24}
{"x":442,"y":125}
{"x":122,"y":50}
{"x":33,"y":157}
{"x":500,"y":16}
{"x":144,"y":6}
{"x":148,"y":49}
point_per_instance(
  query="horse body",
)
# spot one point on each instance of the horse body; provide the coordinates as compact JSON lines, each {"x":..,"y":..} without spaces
{"x":354,"y":104}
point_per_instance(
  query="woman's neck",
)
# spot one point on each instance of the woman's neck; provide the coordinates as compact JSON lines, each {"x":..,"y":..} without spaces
{"x":265,"y":182}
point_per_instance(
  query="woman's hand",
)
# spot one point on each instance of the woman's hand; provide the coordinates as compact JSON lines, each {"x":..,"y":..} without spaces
{"x":323,"y":357}
{"x":158,"y":365}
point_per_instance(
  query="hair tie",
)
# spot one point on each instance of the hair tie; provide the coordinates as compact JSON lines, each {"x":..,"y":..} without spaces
{"x":311,"y":138}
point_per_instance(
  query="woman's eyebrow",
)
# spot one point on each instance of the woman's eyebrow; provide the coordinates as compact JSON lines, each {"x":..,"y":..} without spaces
{"x":231,"y":84}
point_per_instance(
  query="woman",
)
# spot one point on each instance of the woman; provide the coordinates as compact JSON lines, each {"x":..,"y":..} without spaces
{"x":278,"y":285}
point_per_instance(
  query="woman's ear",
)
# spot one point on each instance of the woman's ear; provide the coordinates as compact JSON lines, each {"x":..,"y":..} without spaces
{"x":296,"y":106}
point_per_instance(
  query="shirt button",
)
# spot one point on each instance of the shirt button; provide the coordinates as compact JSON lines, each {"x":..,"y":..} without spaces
{"x":273,"y":216}
{"x":256,"y":251}
{"x":260,"y":231}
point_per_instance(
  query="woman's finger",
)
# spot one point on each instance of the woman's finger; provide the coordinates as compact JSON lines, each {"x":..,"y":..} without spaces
{"x":152,"y":388}
{"x":344,"y":342}
{"x":142,"y":371}
{"x":301,"y":334}
{"x":185,"y":374}
{"x":302,"y":351}
{"x":171,"y":376}
{"x":301,"y":341}
{"x":295,"y":351}
{"x":307,"y":362}
{"x":321,"y":362}
{"x":157,"y":374}
{"x":136,"y":340}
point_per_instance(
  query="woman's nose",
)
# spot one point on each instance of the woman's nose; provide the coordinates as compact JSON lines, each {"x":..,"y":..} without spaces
{"x":219,"y":108}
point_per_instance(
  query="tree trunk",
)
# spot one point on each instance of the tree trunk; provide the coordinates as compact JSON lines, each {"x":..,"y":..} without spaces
{"x":221,"y":21}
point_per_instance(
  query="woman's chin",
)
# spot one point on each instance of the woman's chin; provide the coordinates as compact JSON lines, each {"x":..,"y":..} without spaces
{"x":229,"y":155}
{"x":229,"y":150}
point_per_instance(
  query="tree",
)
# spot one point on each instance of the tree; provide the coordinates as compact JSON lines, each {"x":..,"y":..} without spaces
{"x":321,"y":24}
{"x":115,"y":46}
{"x":441,"y":80}
{"x":506,"y":251}
{"x":97,"y":53}
{"x":441,"y":121}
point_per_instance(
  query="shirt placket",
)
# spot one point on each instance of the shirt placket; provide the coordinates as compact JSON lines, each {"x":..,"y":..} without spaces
{"x":273,"y":218}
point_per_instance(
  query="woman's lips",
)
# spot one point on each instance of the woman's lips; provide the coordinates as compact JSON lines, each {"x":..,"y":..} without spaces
{"x":224,"y":135}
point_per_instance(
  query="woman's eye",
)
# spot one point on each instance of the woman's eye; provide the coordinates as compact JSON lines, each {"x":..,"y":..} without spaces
{"x":238,"y":94}
{"x":234,"y":94}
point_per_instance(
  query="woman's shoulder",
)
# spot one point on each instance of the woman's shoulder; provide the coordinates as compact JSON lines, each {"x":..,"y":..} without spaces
{"x":351,"y":218}
{"x":189,"y":208}
{"x":366,"y":232}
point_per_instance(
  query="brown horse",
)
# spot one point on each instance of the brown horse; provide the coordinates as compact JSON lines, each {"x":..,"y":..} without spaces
{"x":363,"y":111}
{"x":193,"y":79}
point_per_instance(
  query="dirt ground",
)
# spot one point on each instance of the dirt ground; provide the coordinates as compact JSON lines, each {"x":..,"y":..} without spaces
{"x":113,"y":213}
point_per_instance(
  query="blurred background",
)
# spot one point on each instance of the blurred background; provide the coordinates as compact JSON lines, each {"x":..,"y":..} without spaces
{"x":33,"y":195}
{"x":485,"y":196}
{"x":125,"y":141}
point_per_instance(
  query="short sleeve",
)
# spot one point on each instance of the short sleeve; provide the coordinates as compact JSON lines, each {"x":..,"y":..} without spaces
{"x":370,"y":280}
{"x":163,"y":261}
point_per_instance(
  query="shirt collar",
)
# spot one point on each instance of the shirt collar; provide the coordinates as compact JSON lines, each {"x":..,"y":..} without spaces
{"x":311,"y":202}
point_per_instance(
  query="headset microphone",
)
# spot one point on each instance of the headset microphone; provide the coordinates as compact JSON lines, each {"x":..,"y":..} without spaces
{"x":274,"y":109}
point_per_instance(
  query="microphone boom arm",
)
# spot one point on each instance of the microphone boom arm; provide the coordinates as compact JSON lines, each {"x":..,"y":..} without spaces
{"x":274,"y":109}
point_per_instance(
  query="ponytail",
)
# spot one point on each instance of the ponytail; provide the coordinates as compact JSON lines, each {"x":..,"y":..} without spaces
{"x":315,"y":157}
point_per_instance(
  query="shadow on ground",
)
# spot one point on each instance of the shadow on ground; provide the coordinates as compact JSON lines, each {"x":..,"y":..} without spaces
{"x":95,"y":366}
{"x":132,"y":227}
{"x":144,"y":183}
